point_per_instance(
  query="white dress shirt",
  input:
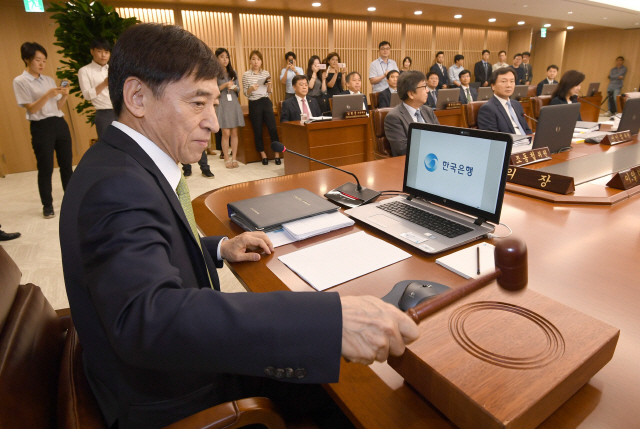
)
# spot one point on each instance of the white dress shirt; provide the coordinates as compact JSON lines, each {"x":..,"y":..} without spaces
{"x":467,"y":93}
{"x":167,"y":166}
{"x":29,"y":89}
{"x":299,"y":99}
{"x":90,"y":76}
{"x":379,"y":68}
{"x":454,"y":73}
{"x":497,"y":66}
{"x":515,"y":125}
{"x":412,"y":112}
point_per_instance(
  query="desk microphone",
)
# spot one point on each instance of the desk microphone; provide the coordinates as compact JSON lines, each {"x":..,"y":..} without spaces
{"x":527,"y":116}
{"x":348,"y":195}
{"x":595,"y":105}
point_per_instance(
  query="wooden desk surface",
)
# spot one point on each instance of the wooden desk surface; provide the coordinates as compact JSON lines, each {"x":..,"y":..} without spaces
{"x":583,"y":256}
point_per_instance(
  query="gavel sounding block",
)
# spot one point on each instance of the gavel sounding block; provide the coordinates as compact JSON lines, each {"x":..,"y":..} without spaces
{"x":496,"y":359}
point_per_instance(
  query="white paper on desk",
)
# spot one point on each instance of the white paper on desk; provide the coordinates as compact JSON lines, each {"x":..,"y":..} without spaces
{"x":336,"y":261}
{"x":465,"y":262}
{"x":315,"y":225}
{"x":280,"y":238}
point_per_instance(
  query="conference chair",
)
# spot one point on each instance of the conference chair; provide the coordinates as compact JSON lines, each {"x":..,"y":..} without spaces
{"x":279,"y":108}
{"x":373,"y":97}
{"x":538,"y":103}
{"x":382,"y":148}
{"x":532,"y":91}
{"x":42,"y":381}
{"x":470,"y":114}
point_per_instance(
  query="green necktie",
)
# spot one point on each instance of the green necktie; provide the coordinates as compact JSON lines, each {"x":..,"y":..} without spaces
{"x":185,"y":201}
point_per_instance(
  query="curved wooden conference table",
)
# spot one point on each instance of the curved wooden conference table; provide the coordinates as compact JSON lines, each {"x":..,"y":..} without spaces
{"x":584,"y":256}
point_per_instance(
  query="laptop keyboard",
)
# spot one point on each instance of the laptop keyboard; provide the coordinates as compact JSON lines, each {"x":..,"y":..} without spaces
{"x":425,"y":219}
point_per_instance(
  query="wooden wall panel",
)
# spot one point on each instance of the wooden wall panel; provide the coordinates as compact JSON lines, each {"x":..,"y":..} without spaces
{"x":519,"y":41}
{"x":160,"y":16}
{"x":472,"y":45}
{"x":350,"y":39}
{"x":309,"y":36}
{"x":266,"y":34}
{"x":392,"y":33}
{"x":549,"y":50}
{"x":418,"y":46}
{"x":448,"y":41}
{"x":497,"y":40}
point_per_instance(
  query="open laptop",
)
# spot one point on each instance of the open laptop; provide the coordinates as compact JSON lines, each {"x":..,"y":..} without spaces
{"x":395,"y":99}
{"x":593,"y":88}
{"x":485,"y":93}
{"x":555,"y":128}
{"x":455,"y":178}
{"x":549,"y":88}
{"x":519,"y":92}
{"x":630,"y":119}
{"x":449,"y":95}
{"x":475,"y":85}
{"x":346,"y":103}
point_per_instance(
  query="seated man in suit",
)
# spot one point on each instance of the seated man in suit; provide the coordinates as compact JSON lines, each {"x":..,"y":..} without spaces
{"x":160,"y":340}
{"x":482,"y":69}
{"x":500,"y":113}
{"x":467,"y":94}
{"x":384,"y":97}
{"x":354,"y":84}
{"x":552,"y":72}
{"x":432,"y":89}
{"x":441,"y":70}
{"x":412,"y":90}
{"x":292,"y":108}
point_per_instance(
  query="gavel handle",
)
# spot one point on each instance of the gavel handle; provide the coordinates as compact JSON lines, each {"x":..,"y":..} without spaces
{"x":427,"y":308}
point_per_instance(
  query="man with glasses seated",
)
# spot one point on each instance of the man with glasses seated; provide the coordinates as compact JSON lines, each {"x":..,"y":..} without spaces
{"x":412,"y":90}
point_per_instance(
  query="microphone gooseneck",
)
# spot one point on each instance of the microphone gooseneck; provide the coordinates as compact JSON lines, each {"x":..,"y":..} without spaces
{"x":533,"y":119}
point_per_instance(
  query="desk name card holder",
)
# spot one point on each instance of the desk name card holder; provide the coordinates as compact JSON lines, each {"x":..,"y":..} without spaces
{"x":530,"y":157}
{"x":626,"y":179}
{"x":355,"y":114}
{"x":454,"y":105}
{"x":541,"y":180}
{"x":616,"y":138}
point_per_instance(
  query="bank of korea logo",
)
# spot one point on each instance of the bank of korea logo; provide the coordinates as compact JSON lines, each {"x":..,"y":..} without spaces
{"x":431,"y":162}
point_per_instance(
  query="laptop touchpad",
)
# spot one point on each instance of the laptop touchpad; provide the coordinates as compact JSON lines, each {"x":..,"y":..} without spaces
{"x":382,"y":220}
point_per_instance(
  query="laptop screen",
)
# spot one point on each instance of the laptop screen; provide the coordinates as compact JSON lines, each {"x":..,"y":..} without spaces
{"x":459,"y":168}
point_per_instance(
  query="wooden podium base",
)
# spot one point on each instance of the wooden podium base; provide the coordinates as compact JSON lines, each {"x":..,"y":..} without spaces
{"x":505,"y":360}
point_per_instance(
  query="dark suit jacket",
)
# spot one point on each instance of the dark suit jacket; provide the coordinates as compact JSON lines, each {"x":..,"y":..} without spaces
{"x":528,"y":72}
{"x":364,"y":97}
{"x":463,"y":96}
{"x":384,"y":98}
{"x":443,"y":77}
{"x":493,"y":117}
{"x":479,"y":72}
{"x":520,"y":75}
{"x":558,"y":100}
{"x":159,"y":343}
{"x":291,"y":109}
{"x":431,"y":102}
{"x":541,"y":84}
{"x":396,"y":126}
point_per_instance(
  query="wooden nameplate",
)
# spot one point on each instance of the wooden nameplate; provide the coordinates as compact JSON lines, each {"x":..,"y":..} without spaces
{"x":616,"y":138}
{"x":355,"y":114}
{"x":530,"y":157}
{"x":626,"y":179}
{"x":497,"y":359}
{"x":541,"y":180}
{"x":454,"y":105}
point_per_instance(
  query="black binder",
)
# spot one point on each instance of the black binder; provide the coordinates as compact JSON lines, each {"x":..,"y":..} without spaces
{"x":269,"y":212}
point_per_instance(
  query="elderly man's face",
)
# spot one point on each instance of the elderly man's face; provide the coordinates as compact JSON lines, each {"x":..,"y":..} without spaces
{"x":355,"y":83}
{"x":181,"y":121}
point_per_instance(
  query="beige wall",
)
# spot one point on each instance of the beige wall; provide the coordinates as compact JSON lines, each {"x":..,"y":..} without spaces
{"x":547,"y":51}
{"x":519,"y":41}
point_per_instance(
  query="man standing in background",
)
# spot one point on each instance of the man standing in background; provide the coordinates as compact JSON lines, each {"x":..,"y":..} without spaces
{"x":380,"y":67}
{"x":482,"y":69}
{"x":616,"y":76}
{"x":528,"y":68}
{"x":94,"y":84}
{"x":441,"y":71}
{"x":517,"y":61}
{"x":455,"y":69}
{"x":502,"y":61}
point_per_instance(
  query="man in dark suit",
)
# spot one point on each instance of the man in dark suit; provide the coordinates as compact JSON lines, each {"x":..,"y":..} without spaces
{"x":527,"y":67}
{"x":384,"y":97}
{"x":467,"y":94}
{"x":552,"y":72}
{"x":500,"y":113}
{"x":517,"y":61}
{"x":441,"y":70}
{"x":482,"y":69}
{"x":293,"y":107}
{"x":354,"y":84}
{"x":160,"y":341}
{"x":412,"y":90}
{"x":432,"y":89}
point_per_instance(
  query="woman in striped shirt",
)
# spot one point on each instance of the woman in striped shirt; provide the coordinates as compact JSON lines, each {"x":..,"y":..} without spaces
{"x":260,"y":106}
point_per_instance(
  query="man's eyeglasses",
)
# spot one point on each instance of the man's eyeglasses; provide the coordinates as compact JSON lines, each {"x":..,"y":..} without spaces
{"x":421,"y":86}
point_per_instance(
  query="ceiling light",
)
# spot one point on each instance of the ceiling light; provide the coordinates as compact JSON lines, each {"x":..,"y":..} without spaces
{"x":604,"y":17}
{"x":417,"y":12}
{"x":524,"y":5}
{"x":520,"y":22}
{"x":371,"y":9}
{"x":316,"y":4}
{"x":457,"y":16}
{"x":492,"y":20}
{"x":570,"y":27}
{"x":569,"y":13}
{"x":624,"y":4}
{"x":547,"y":25}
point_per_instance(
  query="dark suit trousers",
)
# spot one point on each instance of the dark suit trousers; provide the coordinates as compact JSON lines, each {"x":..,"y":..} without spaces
{"x":203,"y":162}
{"x":49,"y":135}
{"x":261,"y":110}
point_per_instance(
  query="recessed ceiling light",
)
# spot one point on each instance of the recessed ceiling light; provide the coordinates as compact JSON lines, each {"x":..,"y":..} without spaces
{"x":492,"y":20}
{"x":417,"y":12}
{"x":316,"y":4}
{"x":604,"y":17}
{"x":570,"y":27}
{"x":520,"y":22}
{"x":524,"y":5}
{"x":547,"y":25}
{"x":371,"y":9}
{"x":457,"y":16}
{"x":569,"y":13}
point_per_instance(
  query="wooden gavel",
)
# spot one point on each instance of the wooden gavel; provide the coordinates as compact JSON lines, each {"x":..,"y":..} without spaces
{"x":511,"y":273}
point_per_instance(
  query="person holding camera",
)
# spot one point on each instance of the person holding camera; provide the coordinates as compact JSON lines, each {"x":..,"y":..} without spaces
{"x":317,"y":77}
{"x":43,"y":100}
{"x":288,"y":73}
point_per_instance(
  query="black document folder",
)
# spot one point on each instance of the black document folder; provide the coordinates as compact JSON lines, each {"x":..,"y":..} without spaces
{"x":269,"y":212}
